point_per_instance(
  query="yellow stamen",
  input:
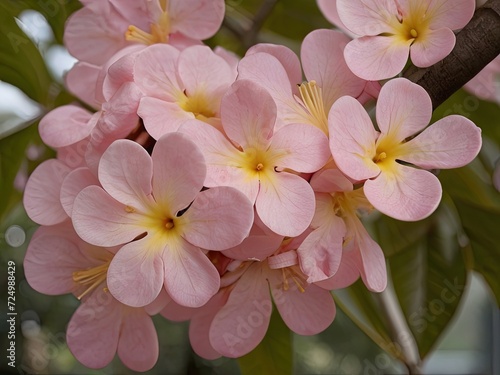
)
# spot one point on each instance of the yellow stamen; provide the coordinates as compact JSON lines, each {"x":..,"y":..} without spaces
{"x":134,"y":34}
{"x":312,"y":98}
{"x":413,"y":33}
{"x":159,"y":31}
{"x":91,"y":278}
{"x":298,"y":279}
{"x":259,"y":167}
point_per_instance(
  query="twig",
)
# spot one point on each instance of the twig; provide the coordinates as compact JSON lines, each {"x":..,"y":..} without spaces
{"x":248,"y":35}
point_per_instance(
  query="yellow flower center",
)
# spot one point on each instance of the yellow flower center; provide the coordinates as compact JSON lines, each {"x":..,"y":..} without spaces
{"x":158,"y":33}
{"x":413,"y":25}
{"x":312,"y":98}
{"x":198,"y":104}
{"x":91,"y":278}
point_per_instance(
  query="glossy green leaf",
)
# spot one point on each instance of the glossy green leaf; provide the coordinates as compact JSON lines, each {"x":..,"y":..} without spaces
{"x":274,"y":354}
{"x":429,"y":278}
{"x":478,"y":205}
{"x":362,"y":308}
{"x":20,"y":61}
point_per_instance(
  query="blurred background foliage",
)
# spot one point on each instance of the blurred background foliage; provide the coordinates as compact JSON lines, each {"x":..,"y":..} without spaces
{"x":439,"y":267}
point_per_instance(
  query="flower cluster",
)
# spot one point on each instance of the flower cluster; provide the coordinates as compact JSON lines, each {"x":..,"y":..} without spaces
{"x":213,"y":189}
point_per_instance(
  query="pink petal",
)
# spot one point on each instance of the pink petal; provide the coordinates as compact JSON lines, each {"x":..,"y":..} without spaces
{"x":432,"y":48}
{"x":322,"y":55}
{"x":222,"y":158}
{"x":404,"y":193}
{"x":352,"y":139}
{"x":41,"y":196}
{"x":93,"y":331}
{"x":260,"y":243}
{"x":242,"y":323}
{"x":321,"y":251}
{"x":138,"y":343}
{"x":52,"y":257}
{"x":199,"y":19}
{"x":248,"y":114}
{"x":178,"y":172}
{"x":135,"y":275}
{"x":285,"y":204}
{"x":453,"y":14}
{"x":74,"y":155}
{"x":159,"y":303}
{"x":161,"y":117}
{"x":219,"y":218}
{"x":200,"y":69}
{"x":285,"y":56}
{"x":267,"y":71}
{"x":73,"y":184}
{"x":304,"y":148}
{"x":347,"y":274}
{"x":452,"y":142}
{"x":119,"y":70}
{"x":102,"y":221}
{"x":155,"y":72}
{"x":190,"y":278}
{"x":125,"y":172}
{"x":99,"y":42}
{"x":231,"y":58}
{"x":80,"y":87}
{"x":306,"y":312}
{"x":377,"y":57}
{"x":199,"y":327}
{"x":329,"y":181}
{"x":178,"y":313}
{"x":403,"y":109}
{"x":329,"y":10}
{"x":367,"y":17}
{"x":121,"y":108}
{"x":370,"y":258}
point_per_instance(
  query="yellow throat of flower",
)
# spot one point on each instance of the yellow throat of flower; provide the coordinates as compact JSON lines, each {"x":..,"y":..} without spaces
{"x":159,"y":31}
{"x":312,"y":99}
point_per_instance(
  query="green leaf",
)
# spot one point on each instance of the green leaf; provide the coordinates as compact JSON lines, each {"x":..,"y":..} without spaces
{"x":478,"y":205}
{"x":362,"y":308}
{"x":20,"y":61}
{"x":12,"y":155}
{"x":274,"y":354}
{"x":429,"y":277}
{"x":56,"y":12}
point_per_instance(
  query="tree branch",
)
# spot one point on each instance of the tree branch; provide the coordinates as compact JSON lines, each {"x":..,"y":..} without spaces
{"x":477,"y":45}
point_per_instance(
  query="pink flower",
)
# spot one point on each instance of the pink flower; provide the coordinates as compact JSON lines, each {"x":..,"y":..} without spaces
{"x":403,"y":110}
{"x":277,"y":69}
{"x":58,"y":262}
{"x":486,"y":84}
{"x":180,"y":86}
{"x":391,"y":30}
{"x":235,"y":321}
{"x":102,"y":28}
{"x":153,"y":205}
{"x":259,"y":162}
{"x":339,"y":248}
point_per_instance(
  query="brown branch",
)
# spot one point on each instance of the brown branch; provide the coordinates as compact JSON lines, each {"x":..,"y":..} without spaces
{"x":477,"y":44}
{"x":248,"y":36}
